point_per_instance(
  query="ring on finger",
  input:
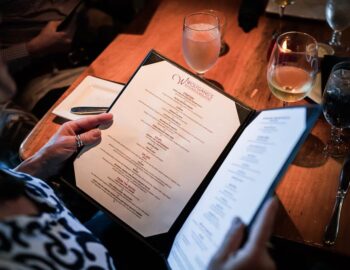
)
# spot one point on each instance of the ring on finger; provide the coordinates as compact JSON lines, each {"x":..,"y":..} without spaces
{"x":79,"y":142}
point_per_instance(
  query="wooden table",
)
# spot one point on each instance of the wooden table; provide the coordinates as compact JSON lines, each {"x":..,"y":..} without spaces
{"x":307,"y":194}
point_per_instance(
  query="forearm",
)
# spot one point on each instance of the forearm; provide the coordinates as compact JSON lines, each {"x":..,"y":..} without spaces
{"x":36,"y":166}
{"x":51,"y":158}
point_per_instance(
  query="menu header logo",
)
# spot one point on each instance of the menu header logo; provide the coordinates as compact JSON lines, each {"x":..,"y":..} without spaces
{"x":193,"y":86}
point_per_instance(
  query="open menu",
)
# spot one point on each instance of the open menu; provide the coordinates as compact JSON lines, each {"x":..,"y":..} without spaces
{"x":182,"y":158}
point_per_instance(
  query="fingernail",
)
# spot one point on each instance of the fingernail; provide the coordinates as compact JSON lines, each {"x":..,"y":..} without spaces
{"x":236,"y":224}
{"x":236,"y":221}
{"x":96,"y":133}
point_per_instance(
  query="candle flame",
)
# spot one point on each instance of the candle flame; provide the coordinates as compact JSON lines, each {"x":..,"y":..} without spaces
{"x":285,"y":47}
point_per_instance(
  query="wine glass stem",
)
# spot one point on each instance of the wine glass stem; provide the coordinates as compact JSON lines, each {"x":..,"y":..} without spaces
{"x":336,"y":146}
{"x":336,"y":37}
{"x":281,"y":11}
{"x":336,"y":136}
{"x":281,"y":14}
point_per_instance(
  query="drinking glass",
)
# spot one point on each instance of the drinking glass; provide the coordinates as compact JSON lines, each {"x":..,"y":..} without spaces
{"x":222,"y":27}
{"x":338,"y":18}
{"x":282,"y":5}
{"x":293,"y":66}
{"x":201,"y":41}
{"x":336,"y":108}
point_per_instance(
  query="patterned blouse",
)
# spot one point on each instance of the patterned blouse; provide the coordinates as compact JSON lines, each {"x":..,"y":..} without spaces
{"x":53,"y":239}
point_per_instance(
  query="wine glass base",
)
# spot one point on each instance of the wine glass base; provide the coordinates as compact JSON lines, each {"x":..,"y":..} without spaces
{"x":335,"y":44}
{"x":337,"y":151}
{"x":340,"y":49}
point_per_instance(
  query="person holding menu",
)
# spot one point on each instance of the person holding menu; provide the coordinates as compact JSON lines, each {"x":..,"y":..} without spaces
{"x":175,"y":171}
{"x":27,"y":201}
{"x":148,"y":171}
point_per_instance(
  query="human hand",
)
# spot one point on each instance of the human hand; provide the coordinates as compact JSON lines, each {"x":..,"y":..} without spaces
{"x":51,"y":157}
{"x":254,"y":253}
{"x":50,"y":41}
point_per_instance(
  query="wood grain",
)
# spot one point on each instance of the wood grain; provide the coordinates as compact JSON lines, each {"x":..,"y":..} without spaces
{"x":307,"y":194}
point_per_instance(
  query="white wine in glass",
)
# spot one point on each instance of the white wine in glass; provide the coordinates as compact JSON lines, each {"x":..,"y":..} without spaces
{"x":293,"y":66}
{"x":290,"y":83}
{"x":201,"y":41}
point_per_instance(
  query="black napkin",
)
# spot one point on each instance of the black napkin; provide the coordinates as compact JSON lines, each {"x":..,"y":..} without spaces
{"x":327,"y":64}
{"x":249,"y":13}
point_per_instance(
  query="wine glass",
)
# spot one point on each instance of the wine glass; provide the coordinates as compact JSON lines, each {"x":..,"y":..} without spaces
{"x":338,"y":18}
{"x":336,"y":108}
{"x":282,"y":5}
{"x":201,"y":41}
{"x":293,"y":66}
{"x":222,"y":27}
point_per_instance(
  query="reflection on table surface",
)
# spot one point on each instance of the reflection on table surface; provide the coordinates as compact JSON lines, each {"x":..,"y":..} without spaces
{"x":308,"y":190}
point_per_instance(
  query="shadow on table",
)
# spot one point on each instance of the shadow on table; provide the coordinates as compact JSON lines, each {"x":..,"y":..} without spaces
{"x":60,"y":120}
{"x":311,"y":153}
{"x":215,"y":83}
{"x":224,"y":50}
{"x":287,"y":224}
{"x":291,"y":256}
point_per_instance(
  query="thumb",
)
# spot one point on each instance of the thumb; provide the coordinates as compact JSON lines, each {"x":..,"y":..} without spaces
{"x":263,"y":226}
{"x":53,"y":24}
{"x":91,"y":137}
{"x":232,"y":241}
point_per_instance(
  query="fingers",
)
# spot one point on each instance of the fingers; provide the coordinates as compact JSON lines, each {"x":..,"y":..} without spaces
{"x":232,"y":240}
{"x":90,"y":122}
{"x":91,"y":136}
{"x":53,"y":24}
{"x":67,"y":34}
{"x":63,"y":36}
{"x":263,"y":226}
{"x":51,"y":27}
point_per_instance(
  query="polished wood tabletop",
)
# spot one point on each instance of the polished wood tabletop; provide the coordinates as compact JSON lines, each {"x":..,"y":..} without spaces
{"x":307,"y":191}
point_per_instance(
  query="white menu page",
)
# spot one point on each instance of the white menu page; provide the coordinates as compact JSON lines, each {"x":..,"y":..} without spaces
{"x":168,"y":130}
{"x":239,"y":186}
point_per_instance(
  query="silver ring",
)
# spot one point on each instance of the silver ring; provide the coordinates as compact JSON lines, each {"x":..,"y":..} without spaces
{"x":79,"y":142}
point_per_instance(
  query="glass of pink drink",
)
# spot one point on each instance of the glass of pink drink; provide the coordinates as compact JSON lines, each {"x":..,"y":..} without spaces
{"x":201,"y":41}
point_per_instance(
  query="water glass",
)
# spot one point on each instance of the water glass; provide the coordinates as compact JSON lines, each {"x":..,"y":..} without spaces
{"x":201,"y":41}
{"x":222,"y":27}
{"x":336,"y":108}
{"x":338,"y":18}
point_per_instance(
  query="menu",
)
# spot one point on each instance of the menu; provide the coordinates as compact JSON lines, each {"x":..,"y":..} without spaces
{"x":168,"y":130}
{"x":172,"y":132}
{"x":239,"y":186}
